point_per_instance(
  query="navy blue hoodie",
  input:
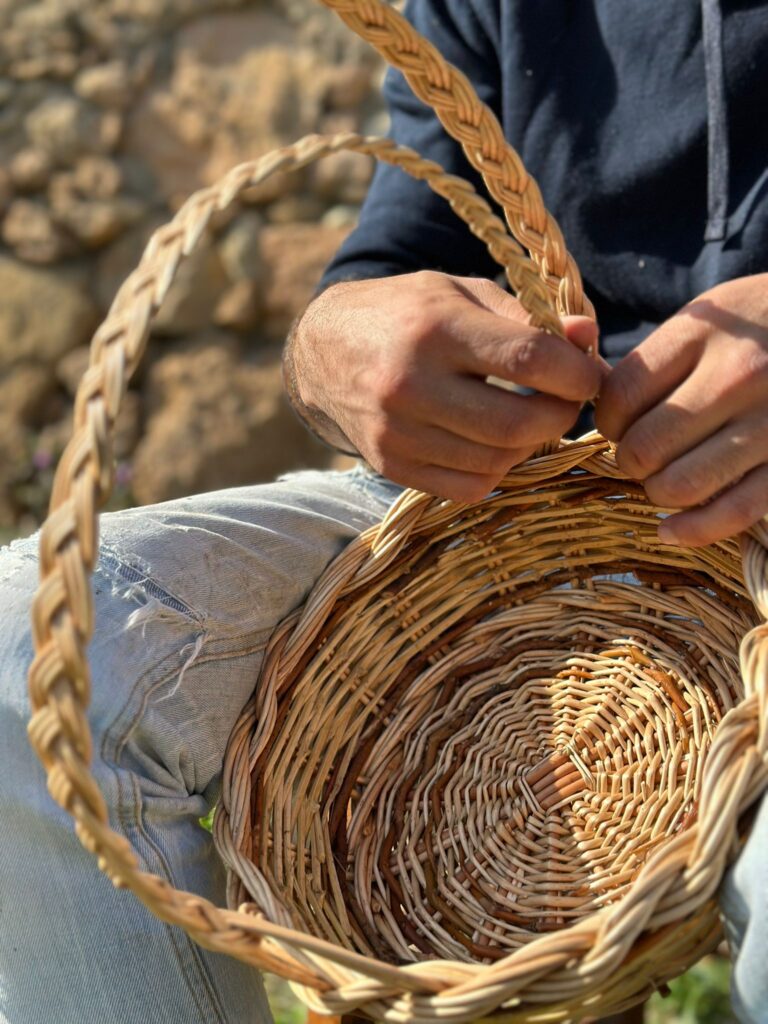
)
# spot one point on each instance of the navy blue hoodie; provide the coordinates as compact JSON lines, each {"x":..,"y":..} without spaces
{"x":644,"y":123}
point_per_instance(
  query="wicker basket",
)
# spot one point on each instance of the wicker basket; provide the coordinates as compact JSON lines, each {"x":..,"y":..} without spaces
{"x":499,"y":760}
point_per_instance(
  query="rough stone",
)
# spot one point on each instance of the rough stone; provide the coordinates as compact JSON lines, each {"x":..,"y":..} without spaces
{"x":295,"y":256}
{"x":11,"y":134}
{"x":377,"y":123}
{"x":66,"y":128}
{"x":214,"y":422}
{"x":70,"y":369}
{"x":101,"y":103}
{"x":42,"y":316}
{"x":110,"y":132}
{"x":116,"y":261}
{"x":97,"y":222}
{"x":14,"y":465}
{"x":29,"y":230}
{"x":339,"y":122}
{"x":239,"y":88}
{"x":239,"y":308}
{"x":108,"y":85}
{"x":347,"y":86}
{"x":128,"y":425}
{"x":52,"y":65}
{"x":240,"y":247}
{"x":30,"y":169}
{"x":6,"y":190}
{"x":28,"y":394}
{"x":195,"y":293}
{"x":84,"y":202}
{"x":222,"y":39}
{"x":97,"y":177}
{"x":295,"y":208}
{"x":343,"y":177}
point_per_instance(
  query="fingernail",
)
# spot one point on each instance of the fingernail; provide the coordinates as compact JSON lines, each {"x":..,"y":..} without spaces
{"x":667,"y":533}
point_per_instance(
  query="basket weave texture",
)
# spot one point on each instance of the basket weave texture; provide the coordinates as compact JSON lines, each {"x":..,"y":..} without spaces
{"x":498,"y":761}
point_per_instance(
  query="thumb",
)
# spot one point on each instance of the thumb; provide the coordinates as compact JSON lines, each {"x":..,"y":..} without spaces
{"x":583,"y":332}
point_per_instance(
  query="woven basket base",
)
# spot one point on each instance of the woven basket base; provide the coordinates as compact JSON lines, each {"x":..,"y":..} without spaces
{"x":497,"y":720}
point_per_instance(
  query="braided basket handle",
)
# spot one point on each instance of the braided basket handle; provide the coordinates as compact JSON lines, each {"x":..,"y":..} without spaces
{"x":62,"y":611}
{"x":474,"y":125}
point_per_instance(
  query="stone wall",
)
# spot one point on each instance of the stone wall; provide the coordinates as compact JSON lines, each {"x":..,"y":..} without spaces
{"x":111,"y":113}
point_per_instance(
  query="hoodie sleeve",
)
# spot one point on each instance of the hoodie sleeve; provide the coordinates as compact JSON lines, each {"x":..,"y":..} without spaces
{"x":403,"y":225}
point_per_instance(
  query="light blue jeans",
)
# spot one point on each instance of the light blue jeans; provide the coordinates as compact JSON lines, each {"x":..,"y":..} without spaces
{"x":187,"y":594}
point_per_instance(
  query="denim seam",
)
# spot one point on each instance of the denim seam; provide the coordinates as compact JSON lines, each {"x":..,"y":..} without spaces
{"x":176,"y":934}
{"x":115,"y":567}
{"x":129,"y":812}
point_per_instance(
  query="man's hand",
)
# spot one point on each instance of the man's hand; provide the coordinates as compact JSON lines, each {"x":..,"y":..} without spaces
{"x":689,"y":410}
{"x":400,"y":365}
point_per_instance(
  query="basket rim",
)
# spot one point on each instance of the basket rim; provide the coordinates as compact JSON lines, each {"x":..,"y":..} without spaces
{"x":734,"y":778}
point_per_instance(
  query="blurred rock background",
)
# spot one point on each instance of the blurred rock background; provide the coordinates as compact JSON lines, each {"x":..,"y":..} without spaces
{"x":111,"y":113}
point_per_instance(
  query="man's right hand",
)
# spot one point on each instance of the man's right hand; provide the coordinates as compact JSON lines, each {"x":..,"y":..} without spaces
{"x":400,"y":365}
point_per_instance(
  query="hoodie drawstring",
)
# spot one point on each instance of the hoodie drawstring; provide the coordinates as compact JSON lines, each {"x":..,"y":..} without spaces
{"x":717,"y":122}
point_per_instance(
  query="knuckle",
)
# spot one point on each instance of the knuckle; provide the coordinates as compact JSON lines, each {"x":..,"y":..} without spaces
{"x":641,"y":453}
{"x":527,"y":357}
{"x":620,"y":391}
{"x":427,"y":278}
{"x":419,"y":324}
{"x":746,"y":363}
{"x":394,"y":389}
{"x":756,"y":362}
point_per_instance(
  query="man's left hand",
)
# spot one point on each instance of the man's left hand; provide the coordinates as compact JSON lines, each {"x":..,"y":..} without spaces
{"x":689,"y":410}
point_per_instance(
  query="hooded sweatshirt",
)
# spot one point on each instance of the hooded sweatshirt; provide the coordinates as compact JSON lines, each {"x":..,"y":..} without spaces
{"x":645,"y":125}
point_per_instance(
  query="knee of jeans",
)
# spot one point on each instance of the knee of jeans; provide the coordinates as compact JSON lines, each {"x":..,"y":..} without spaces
{"x":19,"y":578}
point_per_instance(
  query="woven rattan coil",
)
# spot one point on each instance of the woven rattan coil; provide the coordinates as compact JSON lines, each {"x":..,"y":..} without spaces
{"x":499,"y":760}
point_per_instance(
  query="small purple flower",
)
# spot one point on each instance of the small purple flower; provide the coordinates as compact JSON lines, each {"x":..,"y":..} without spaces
{"x":123,"y":474}
{"x":42,"y":459}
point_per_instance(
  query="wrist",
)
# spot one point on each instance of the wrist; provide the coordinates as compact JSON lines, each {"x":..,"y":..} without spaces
{"x":315,"y":419}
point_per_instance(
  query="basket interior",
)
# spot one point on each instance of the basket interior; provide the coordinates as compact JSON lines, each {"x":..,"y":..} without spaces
{"x":489,"y":735}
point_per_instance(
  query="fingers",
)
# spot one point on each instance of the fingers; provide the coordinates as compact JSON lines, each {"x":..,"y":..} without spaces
{"x":737,"y":509}
{"x":444,"y":449}
{"x":701,"y":473}
{"x":582,"y":332}
{"x":497,"y":347}
{"x":487,"y":415}
{"x":680,"y":422}
{"x":644,"y":378}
